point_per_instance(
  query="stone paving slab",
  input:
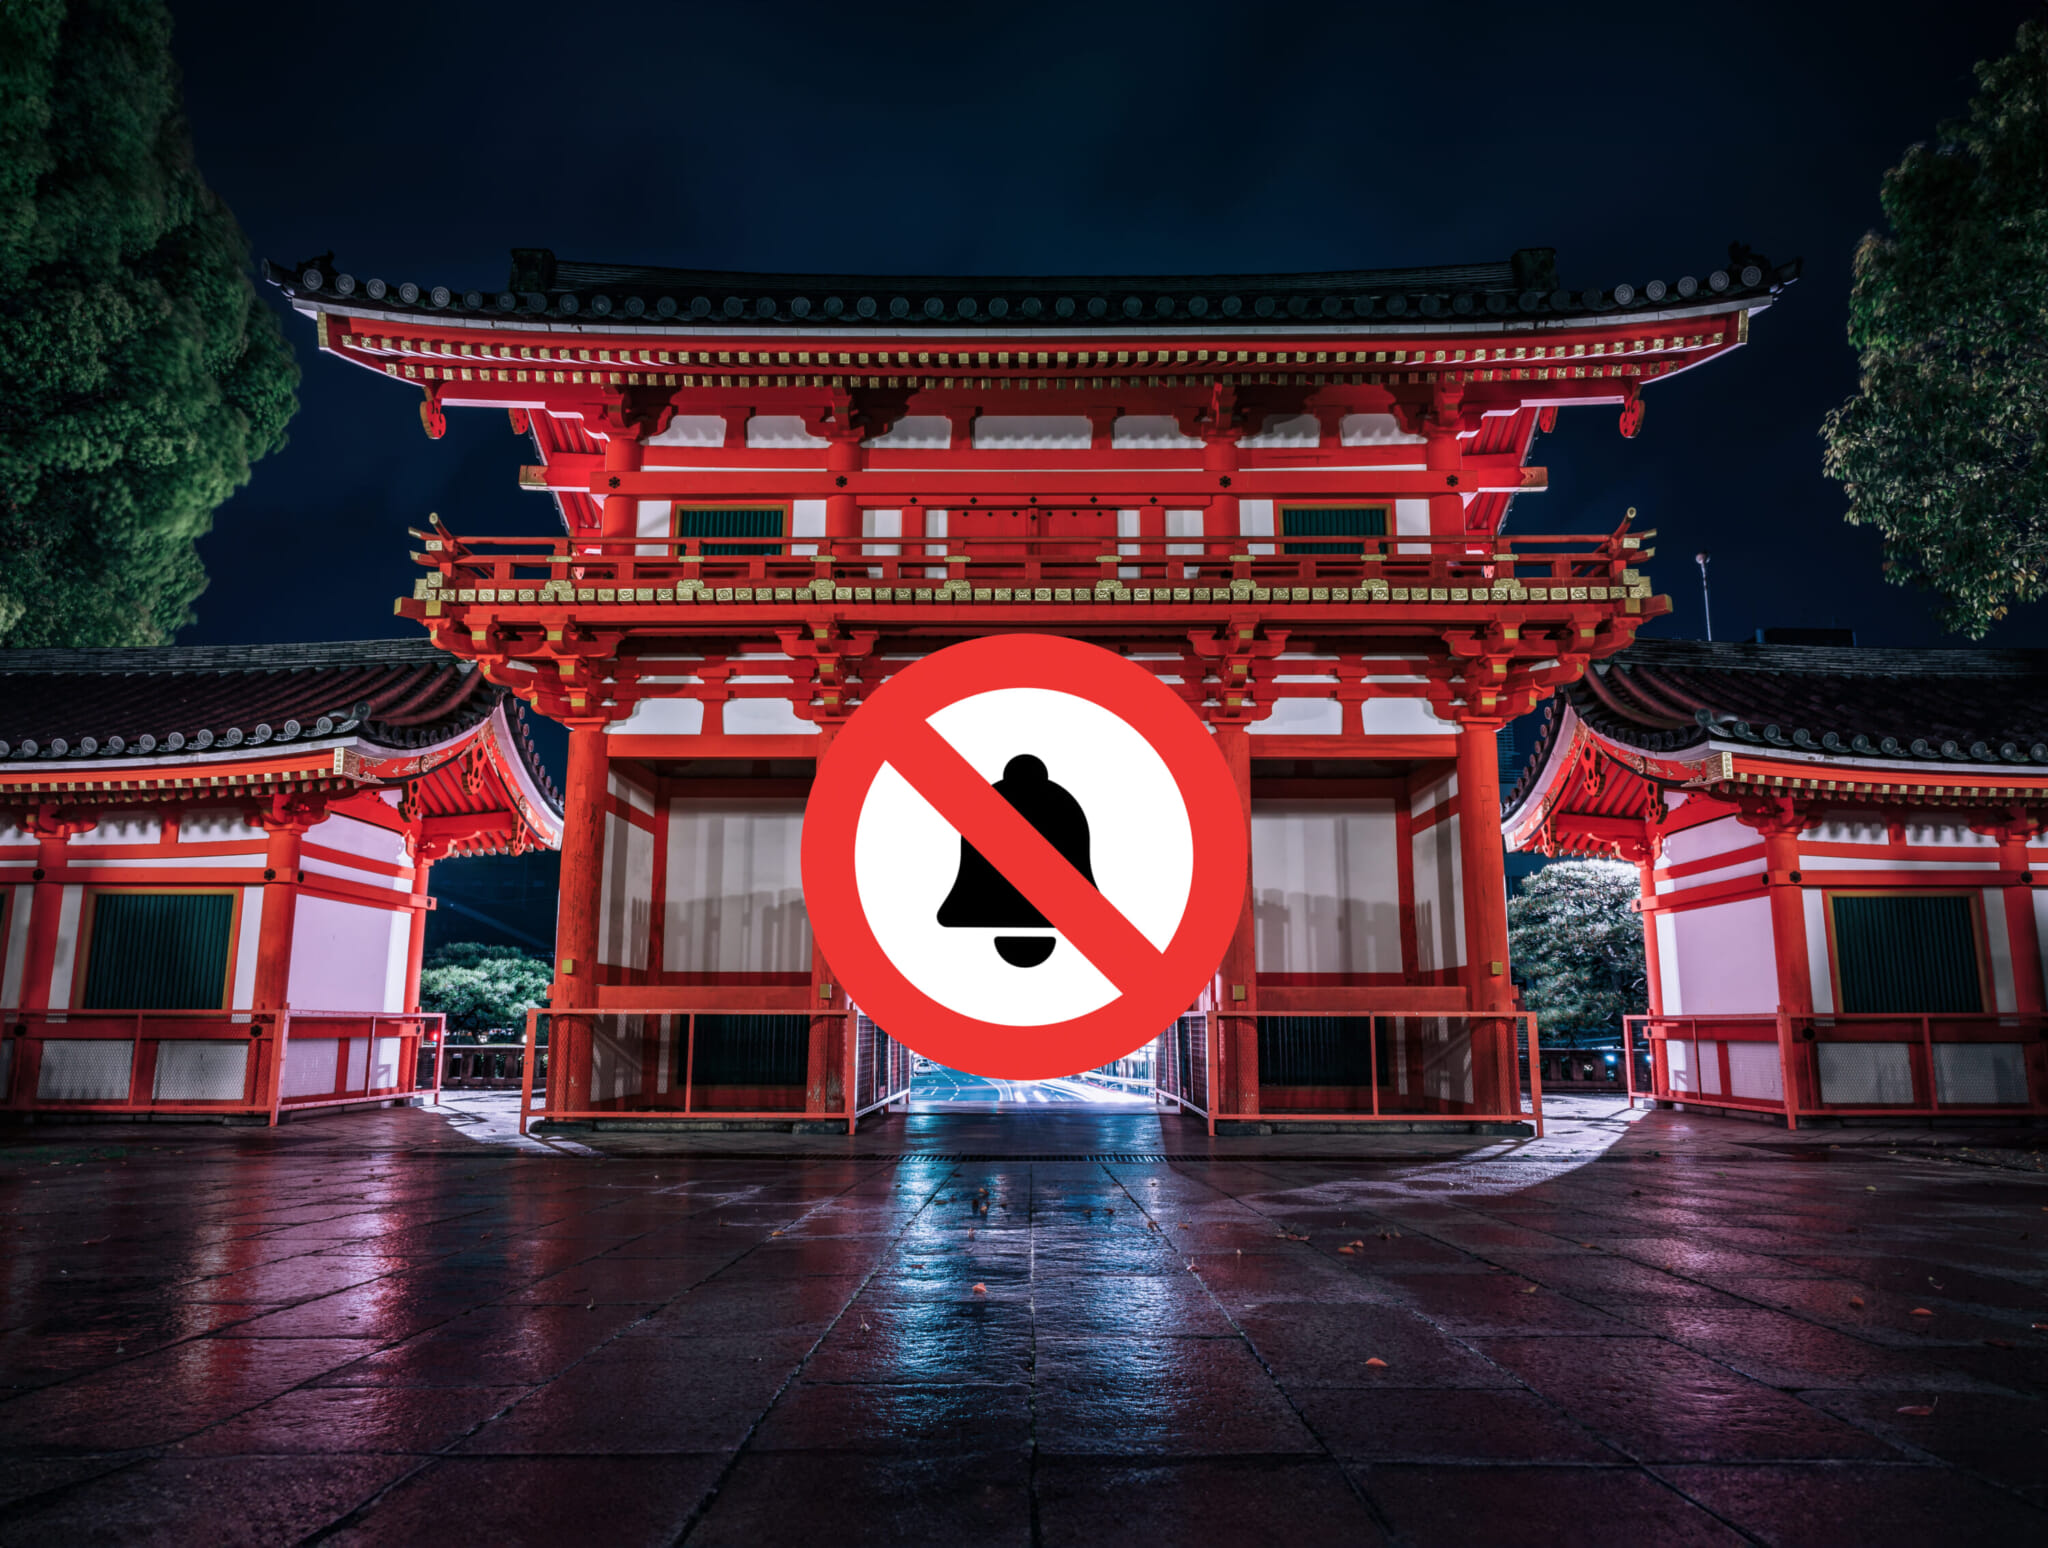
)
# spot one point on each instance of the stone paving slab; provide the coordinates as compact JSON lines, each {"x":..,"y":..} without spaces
{"x":1053,"y":1328}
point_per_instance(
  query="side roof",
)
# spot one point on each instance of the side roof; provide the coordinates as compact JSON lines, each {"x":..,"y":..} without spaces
{"x":1671,"y":697}
{"x":543,"y":288}
{"x":68,"y":704}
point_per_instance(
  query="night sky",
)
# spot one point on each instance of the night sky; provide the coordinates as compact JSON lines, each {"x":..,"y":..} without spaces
{"x":423,"y":143}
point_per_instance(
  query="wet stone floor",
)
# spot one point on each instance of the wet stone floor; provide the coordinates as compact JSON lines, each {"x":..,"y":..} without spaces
{"x":411,"y":1325}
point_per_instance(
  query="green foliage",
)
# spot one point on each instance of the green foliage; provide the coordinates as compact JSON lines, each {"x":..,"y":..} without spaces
{"x":1942,"y":448}
{"x":1578,"y":946}
{"x":139,"y":372}
{"x":482,"y":987}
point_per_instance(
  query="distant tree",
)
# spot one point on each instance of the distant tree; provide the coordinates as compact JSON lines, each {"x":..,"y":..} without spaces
{"x":482,"y":987}
{"x":1578,"y":945}
{"x":1944,"y":447}
{"x":139,"y":373}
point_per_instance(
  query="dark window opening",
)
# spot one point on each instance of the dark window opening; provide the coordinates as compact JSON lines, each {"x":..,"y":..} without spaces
{"x":159,"y":951}
{"x":750,"y":1050}
{"x":1315,"y":1051}
{"x":1353,"y":521}
{"x":1907,"y":954}
{"x":723,"y":521}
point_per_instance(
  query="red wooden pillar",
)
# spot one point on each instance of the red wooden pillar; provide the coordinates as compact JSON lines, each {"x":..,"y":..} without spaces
{"x":1646,"y":901}
{"x":582,"y":884}
{"x":46,"y":902}
{"x":2022,"y":932}
{"x":1238,"y":976}
{"x":1495,"y":1083}
{"x":825,"y":1072}
{"x":842,"y":511}
{"x":1780,"y":825}
{"x":1443,"y":452}
{"x":621,"y":511}
{"x":1220,"y":518}
{"x":285,"y":823}
{"x":416,"y":943}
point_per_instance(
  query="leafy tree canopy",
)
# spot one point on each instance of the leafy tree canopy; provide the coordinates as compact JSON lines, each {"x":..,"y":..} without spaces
{"x":1578,"y":945}
{"x":480,"y":988}
{"x":1942,"y":447}
{"x":139,"y":372}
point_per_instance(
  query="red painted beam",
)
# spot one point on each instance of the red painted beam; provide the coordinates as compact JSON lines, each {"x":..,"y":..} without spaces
{"x":942,"y":488}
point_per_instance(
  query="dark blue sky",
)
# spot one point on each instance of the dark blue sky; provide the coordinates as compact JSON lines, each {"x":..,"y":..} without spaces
{"x":424,"y":142}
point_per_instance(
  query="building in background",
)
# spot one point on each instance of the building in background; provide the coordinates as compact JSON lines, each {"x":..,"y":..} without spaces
{"x":1838,"y":850}
{"x":1284,"y":494}
{"x":214,"y":866}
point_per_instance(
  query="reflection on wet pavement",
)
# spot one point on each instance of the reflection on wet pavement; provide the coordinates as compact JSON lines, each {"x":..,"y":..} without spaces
{"x":1065,"y":1326}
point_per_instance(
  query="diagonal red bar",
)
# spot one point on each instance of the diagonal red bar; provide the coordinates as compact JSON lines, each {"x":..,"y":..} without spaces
{"x":1090,"y":922}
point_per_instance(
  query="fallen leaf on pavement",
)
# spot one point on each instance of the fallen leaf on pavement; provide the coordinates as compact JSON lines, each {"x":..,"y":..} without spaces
{"x":1376,"y":1363}
{"x":980,"y":1288}
{"x":1921,"y":1311}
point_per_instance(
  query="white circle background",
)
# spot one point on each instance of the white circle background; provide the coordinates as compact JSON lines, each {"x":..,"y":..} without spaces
{"x":1141,"y":849}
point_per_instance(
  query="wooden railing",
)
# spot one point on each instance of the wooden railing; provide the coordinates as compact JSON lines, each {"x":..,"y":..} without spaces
{"x":870,"y":1080}
{"x":1863,"y":1065}
{"x":506,"y":571}
{"x":203,"y":1062}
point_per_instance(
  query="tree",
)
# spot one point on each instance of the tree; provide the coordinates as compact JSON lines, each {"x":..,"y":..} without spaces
{"x":140,"y":375}
{"x":480,"y":988}
{"x":1942,"y":447}
{"x":1578,"y":945}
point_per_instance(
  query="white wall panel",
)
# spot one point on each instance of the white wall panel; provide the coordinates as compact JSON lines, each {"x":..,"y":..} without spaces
{"x":1439,"y":898}
{"x":245,"y":948}
{"x":1325,"y":886}
{"x":67,"y":947}
{"x":340,"y":956}
{"x":14,"y":951}
{"x":1998,"y":937}
{"x":735,"y":888}
{"x":1818,"y":968}
{"x":1709,"y":838}
{"x":661,"y":717}
{"x":1302,"y":717}
{"x":917,"y":432}
{"x":692,"y":430}
{"x":1153,"y":432}
{"x":1725,"y":958}
{"x":765,"y":717}
{"x":123,"y":828}
{"x":783,"y":431}
{"x":1673,"y":999}
{"x":217,"y":826}
{"x":623,"y":924}
{"x":1020,"y":432}
{"x":360,"y":838}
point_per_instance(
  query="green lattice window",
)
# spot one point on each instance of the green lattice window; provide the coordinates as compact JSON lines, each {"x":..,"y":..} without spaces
{"x":751,"y":1050}
{"x":1331,"y":521}
{"x":1907,"y":953}
{"x":159,"y":951}
{"x":732,"y":521}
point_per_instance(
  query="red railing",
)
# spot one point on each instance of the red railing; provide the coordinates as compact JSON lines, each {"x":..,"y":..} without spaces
{"x":1406,"y":1107}
{"x":875,"y":1070}
{"x":209,"y":1062}
{"x":1865,"y":1065}
{"x":517,"y":570}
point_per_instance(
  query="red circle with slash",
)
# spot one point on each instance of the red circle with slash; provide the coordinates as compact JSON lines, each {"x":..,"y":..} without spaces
{"x":893,"y":728}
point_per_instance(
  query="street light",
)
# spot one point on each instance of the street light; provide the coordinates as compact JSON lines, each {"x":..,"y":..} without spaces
{"x":1702,"y":558}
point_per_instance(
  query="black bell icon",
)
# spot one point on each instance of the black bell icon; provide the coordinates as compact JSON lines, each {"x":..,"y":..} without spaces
{"x":982,"y":899}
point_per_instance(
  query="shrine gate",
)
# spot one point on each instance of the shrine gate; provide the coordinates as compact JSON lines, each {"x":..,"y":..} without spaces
{"x":1284,"y":494}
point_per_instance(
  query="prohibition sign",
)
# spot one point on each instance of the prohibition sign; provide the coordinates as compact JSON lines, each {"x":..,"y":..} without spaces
{"x":913,"y":774}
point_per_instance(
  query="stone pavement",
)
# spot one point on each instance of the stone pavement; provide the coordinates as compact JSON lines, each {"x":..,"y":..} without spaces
{"x":1048,"y":1328}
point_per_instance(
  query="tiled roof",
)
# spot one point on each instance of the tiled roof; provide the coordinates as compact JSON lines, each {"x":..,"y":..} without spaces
{"x":1520,"y":288}
{"x":67,"y":704}
{"x":1936,"y":706}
